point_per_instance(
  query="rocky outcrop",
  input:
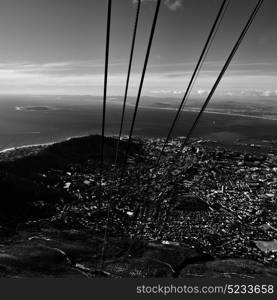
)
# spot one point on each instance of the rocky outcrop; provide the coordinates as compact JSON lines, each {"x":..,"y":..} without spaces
{"x":48,"y":252}
{"x":235,"y":268}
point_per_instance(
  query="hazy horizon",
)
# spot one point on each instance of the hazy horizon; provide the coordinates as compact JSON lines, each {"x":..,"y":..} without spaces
{"x":63,"y":53}
{"x":52,"y":68}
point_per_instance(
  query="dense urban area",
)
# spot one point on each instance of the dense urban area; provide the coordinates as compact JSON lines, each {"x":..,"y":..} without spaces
{"x":210,"y":211}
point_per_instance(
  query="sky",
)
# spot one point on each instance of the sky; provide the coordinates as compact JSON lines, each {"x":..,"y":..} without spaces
{"x":50,"y":47}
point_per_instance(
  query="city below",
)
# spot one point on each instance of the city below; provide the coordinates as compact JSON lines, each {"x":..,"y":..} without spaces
{"x":210,"y":211}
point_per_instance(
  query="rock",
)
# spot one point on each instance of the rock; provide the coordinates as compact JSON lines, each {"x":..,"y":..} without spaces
{"x":41,"y":257}
{"x":71,"y":253}
{"x":237,"y":268}
{"x":7,"y":260}
{"x":138,"y":258}
{"x":78,"y":245}
{"x":139,"y":268}
{"x":175,"y":256}
{"x":33,"y":257}
{"x":74,"y":250}
{"x":171,"y":256}
{"x":60,"y":273}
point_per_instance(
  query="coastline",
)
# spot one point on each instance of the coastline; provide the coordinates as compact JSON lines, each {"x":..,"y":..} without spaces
{"x":5,"y":150}
{"x":213,"y":112}
{"x":26,"y":146}
{"x":205,"y":112}
{"x":40,"y":144}
{"x":44,"y":144}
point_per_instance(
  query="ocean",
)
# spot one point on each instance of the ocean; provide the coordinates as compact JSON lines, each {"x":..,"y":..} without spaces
{"x":35,"y":120}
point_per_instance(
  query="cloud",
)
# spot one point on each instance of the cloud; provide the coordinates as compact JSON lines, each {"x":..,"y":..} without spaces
{"x":86,"y":77}
{"x":202,"y":92}
{"x":63,"y":68}
{"x":223,"y":93}
{"x":269,"y":93}
{"x":161,"y":92}
{"x":172,"y":5}
{"x":167,"y":92}
{"x":256,"y":93}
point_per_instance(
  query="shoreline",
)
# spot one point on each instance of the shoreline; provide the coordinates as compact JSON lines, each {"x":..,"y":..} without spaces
{"x":146,"y":107}
{"x":206,"y":111}
{"x":26,"y":146}
{"x":40,"y":144}
{"x":46,"y":143}
{"x":214,"y":112}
